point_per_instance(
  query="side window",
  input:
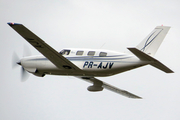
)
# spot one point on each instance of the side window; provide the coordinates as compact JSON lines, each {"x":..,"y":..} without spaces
{"x":91,"y":53}
{"x":102,"y":54}
{"x":79,"y":52}
{"x":65,"y":52}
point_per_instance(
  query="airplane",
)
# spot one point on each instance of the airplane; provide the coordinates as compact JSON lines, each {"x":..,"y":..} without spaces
{"x":87,"y":64}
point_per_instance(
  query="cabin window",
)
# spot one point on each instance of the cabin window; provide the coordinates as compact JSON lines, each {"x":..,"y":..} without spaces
{"x":91,"y":53}
{"x":65,"y":52}
{"x":102,"y":54}
{"x":79,"y":52}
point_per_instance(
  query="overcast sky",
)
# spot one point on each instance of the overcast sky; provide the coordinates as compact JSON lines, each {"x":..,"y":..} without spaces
{"x":107,"y":24}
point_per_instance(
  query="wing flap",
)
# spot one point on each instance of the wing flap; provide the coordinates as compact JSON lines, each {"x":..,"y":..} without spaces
{"x":110,"y":87}
{"x":57,"y":59}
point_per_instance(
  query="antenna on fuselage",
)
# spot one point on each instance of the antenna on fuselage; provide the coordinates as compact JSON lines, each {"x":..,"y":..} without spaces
{"x":102,"y":45}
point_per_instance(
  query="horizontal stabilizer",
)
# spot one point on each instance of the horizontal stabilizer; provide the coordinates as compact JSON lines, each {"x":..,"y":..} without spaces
{"x":152,"y":61}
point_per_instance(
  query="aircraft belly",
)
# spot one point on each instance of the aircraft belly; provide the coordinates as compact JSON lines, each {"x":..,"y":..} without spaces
{"x":89,"y":68}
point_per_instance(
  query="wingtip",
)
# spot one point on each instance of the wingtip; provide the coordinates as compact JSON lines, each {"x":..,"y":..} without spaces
{"x":12,"y":24}
{"x":137,"y":97}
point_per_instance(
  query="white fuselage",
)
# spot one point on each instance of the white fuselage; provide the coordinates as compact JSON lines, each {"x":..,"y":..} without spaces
{"x":91,"y":63}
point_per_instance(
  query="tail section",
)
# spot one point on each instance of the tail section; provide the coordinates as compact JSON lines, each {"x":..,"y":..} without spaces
{"x":152,"y":42}
{"x":148,"y":47}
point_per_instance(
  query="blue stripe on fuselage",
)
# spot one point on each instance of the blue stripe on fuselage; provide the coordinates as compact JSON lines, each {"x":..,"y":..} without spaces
{"x":91,"y":58}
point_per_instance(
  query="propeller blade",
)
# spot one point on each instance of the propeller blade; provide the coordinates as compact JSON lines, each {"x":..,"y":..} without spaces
{"x":24,"y":75}
{"x":15,"y":59}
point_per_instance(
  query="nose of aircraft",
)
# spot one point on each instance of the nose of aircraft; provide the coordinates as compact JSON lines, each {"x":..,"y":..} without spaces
{"x":19,"y":63}
{"x":22,"y":62}
{"x":27,"y":62}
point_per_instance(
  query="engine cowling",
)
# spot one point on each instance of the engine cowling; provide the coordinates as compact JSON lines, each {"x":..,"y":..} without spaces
{"x":35,"y":72}
{"x":95,"y":88}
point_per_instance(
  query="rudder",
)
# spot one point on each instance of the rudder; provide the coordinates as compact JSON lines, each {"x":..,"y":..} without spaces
{"x":151,"y":43}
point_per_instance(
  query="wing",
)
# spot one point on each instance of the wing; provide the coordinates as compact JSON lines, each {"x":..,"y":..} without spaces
{"x":57,"y":59}
{"x":100,"y":83}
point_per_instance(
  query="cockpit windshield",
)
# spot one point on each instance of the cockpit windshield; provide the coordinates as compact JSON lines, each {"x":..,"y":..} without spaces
{"x":64,"y":52}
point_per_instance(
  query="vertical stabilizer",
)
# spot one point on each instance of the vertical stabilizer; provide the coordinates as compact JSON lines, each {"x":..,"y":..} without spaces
{"x":152,"y":42}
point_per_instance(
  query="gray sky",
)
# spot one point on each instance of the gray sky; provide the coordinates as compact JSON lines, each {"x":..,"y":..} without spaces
{"x":90,"y":24}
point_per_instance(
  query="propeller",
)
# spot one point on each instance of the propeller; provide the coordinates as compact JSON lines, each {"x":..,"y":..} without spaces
{"x":16,"y":61}
{"x":24,"y":75}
